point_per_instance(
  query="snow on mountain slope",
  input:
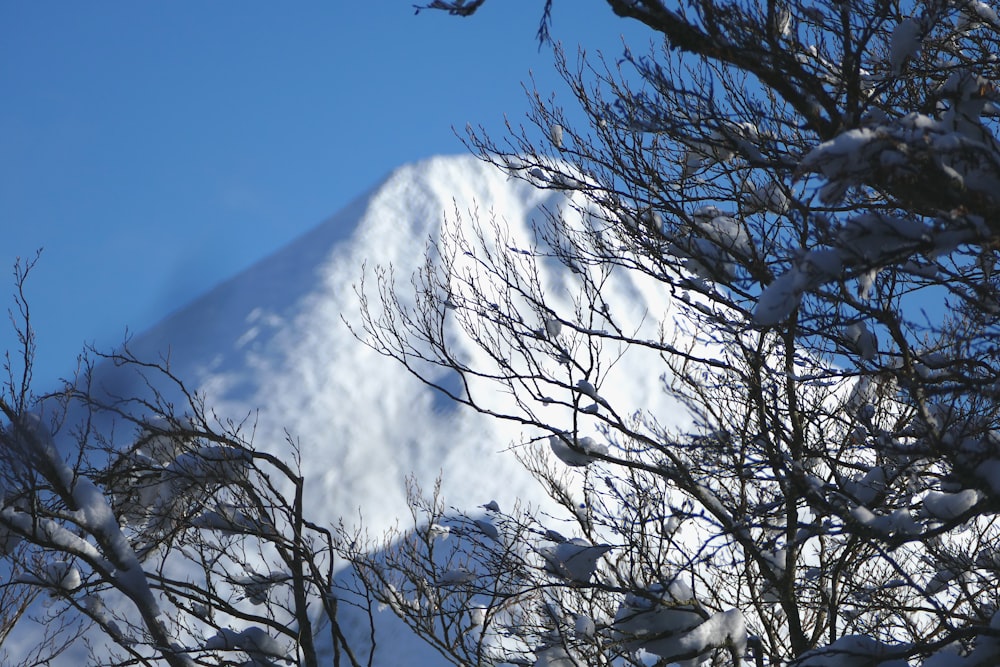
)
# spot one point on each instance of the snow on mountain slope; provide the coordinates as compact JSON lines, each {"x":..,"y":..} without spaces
{"x":273,"y":339}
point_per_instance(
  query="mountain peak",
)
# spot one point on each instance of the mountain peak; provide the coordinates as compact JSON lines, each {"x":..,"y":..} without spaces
{"x":272,"y":343}
{"x":273,"y":339}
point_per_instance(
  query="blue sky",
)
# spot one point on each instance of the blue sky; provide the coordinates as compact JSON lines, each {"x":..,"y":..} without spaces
{"x":154,"y":149}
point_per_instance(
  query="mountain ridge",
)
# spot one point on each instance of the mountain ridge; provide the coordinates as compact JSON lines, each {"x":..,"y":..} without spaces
{"x":271,"y":338}
{"x":271,"y":343}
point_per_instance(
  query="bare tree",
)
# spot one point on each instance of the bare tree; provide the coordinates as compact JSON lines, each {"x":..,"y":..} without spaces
{"x":817,"y":188}
{"x":17,"y":598}
{"x":184,"y":545}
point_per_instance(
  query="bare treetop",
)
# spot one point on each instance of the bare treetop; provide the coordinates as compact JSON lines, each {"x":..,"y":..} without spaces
{"x":816,"y":185}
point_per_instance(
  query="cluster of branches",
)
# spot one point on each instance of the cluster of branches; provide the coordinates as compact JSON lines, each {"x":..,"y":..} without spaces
{"x":186,"y":545}
{"x":817,"y":187}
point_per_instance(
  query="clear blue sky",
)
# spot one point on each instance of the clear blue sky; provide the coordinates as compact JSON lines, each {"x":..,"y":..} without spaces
{"x":154,"y":149}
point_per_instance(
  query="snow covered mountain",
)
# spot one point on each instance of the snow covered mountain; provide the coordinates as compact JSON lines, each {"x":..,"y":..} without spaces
{"x":273,"y":339}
